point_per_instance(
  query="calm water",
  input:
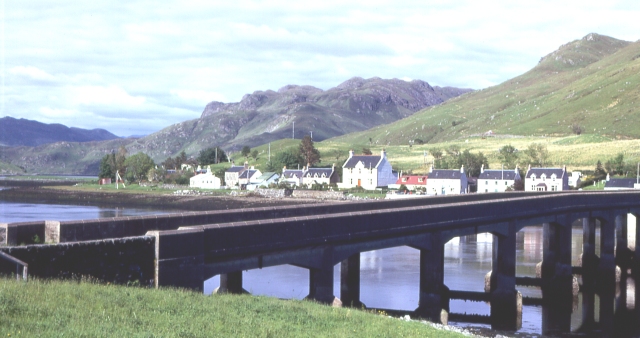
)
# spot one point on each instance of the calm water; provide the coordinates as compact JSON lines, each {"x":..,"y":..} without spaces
{"x":25,"y":212}
{"x":389,"y":278}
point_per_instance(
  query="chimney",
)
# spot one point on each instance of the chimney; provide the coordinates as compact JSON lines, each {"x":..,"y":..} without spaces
{"x":462,"y":169}
{"x":482,"y":168}
{"x":564,"y":168}
{"x":516,"y":171}
{"x":431,"y":169}
{"x":246,"y":164}
{"x":350,"y":153}
{"x":383,"y":154}
{"x":529,"y":168}
{"x":608,"y":177}
{"x":284,"y":168}
{"x":308,"y":165}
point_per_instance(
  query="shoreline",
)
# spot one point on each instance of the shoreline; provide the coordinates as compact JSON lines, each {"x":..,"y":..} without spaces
{"x":170,"y":201}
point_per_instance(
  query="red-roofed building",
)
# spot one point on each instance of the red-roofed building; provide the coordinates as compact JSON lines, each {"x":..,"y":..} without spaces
{"x":411,"y":182}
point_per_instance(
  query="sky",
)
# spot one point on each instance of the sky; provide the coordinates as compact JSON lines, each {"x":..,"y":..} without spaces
{"x":135,"y":67}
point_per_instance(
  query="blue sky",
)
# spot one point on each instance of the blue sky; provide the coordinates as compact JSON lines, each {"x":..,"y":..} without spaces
{"x":135,"y":67}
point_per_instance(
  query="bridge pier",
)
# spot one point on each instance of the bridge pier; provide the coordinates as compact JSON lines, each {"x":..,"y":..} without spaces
{"x":321,"y":280}
{"x":350,"y":281}
{"x":556,"y":277}
{"x":231,"y":282}
{"x":606,"y":280}
{"x":623,"y":254}
{"x":434,"y":295}
{"x":506,"y":311}
{"x":590,"y":263}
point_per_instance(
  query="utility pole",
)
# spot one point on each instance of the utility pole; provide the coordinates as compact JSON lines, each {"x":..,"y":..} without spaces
{"x":293,"y":133}
{"x":311,"y":134}
{"x":269,"y":151}
{"x":215,"y":160}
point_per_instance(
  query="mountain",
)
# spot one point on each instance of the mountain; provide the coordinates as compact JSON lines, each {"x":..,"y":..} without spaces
{"x":261,"y":117}
{"x":589,"y":85}
{"x":266,"y":116}
{"x":22,"y":132}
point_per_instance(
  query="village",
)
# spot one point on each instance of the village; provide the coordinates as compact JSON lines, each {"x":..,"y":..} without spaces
{"x":375,"y":172}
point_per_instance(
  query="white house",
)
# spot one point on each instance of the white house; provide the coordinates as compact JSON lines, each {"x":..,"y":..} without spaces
{"x":205,"y":181}
{"x":245,"y":177}
{"x":574,"y":179}
{"x":232,"y":175}
{"x":546,"y":179}
{"x":412,"y":182}
{"x":263,"y":180}
{"x":621,"y":183}
{"x":311,"y":176}
{"x":447,"y":182}
{"x":292,"y":176}
{"x":367,"y":171}
{"x":497,"y":180}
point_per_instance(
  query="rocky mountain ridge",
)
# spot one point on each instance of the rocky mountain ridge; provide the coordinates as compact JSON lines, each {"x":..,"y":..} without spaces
{"x":23,"y":132}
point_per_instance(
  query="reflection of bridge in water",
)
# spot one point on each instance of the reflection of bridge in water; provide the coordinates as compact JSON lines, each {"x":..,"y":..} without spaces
{"x":320,"y":236}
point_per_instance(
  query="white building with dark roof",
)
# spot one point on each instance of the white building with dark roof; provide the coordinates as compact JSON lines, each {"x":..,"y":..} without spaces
{"x":497,"y":180}
{"x":292,"y":176}
{"x":313,"y":176}
{"x":367,"y":171}
{"x":546,"y":179}
{"x":447,"y":182}
{"x":621,"y":183}
{"x":232,"y":175}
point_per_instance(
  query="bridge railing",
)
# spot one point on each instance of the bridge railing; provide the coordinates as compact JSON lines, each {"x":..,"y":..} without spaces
{"x":21,"y":268}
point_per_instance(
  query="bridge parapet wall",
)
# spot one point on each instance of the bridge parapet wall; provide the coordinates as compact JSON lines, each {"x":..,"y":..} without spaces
{"x":115,"y":260}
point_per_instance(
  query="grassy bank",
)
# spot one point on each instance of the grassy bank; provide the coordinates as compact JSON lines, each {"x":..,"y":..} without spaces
{"x":56,"y":308}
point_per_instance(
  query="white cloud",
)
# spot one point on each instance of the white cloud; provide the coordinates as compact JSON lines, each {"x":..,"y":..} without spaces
{"x":156,"y":65}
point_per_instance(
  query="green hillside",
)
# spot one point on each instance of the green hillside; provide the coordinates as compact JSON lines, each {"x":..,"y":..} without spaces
{"x":590,"y":84}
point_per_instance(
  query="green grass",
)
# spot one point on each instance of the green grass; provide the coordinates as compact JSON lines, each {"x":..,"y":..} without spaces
{"x":64,"y":308}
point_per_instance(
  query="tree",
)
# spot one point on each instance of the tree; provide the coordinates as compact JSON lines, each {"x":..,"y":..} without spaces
{"x":508,"y":155}
{"x":289,"y":158}
{"x":107,"y":166}
{"x":208,"y":156}
{"x":246,"y":151}
{"x":599,"y":173}
{"x":472,"y":162}
{"x":120,"y":157}
{"x":453,"y":150}
{"x":308,"y":151}
{"x":366,"y":151}
{"x":576,"y":129}
{"x":254,"y":154}
{"x":436,"y":153}
{"x":138,"y":166}
{"x":537,"y":154}
{"x":170,"y":163}
{"x":180,"y":159}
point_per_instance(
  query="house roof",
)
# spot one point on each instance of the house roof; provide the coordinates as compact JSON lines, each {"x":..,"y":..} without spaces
{"x":498,"y":175}
{"x":312,"y":171}
{"x":445,"y":174}
{"x":621,"y":183}
{"x":559,"y":172}
{"x":290,"y":173}
{"x":369,"y":161}
{"x":412,"y":180}
{"x":247,"y":173}
{"x":236,"y":169}
{"x":266,"y":176}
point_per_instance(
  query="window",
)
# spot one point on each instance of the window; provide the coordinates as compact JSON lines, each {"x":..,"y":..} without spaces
{"x":505,"y":183}
{"x":533,"y":178}
{"x":496,"y":182}
{"x":420,"y":179}
{"x":404,"y":179}
{"x":486,"y":190}
{"x":486,"y":182}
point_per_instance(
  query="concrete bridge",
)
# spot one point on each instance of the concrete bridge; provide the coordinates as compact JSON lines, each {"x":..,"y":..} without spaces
{"x":192,"y":247}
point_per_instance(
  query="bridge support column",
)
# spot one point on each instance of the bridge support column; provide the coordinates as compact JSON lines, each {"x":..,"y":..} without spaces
{"x":607,"y":273}
{"x":434,"y":295}
{"x":623,"y":254}
{"x":321,"y":280}
{"x":231,"y":282}
{"x":556,"y":277}
{"x":350,"y":281}
{"x":590,"y":263}
{"x":506,"y":311}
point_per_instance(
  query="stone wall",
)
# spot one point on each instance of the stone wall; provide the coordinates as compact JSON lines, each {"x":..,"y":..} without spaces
{"x":115,"y":260}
